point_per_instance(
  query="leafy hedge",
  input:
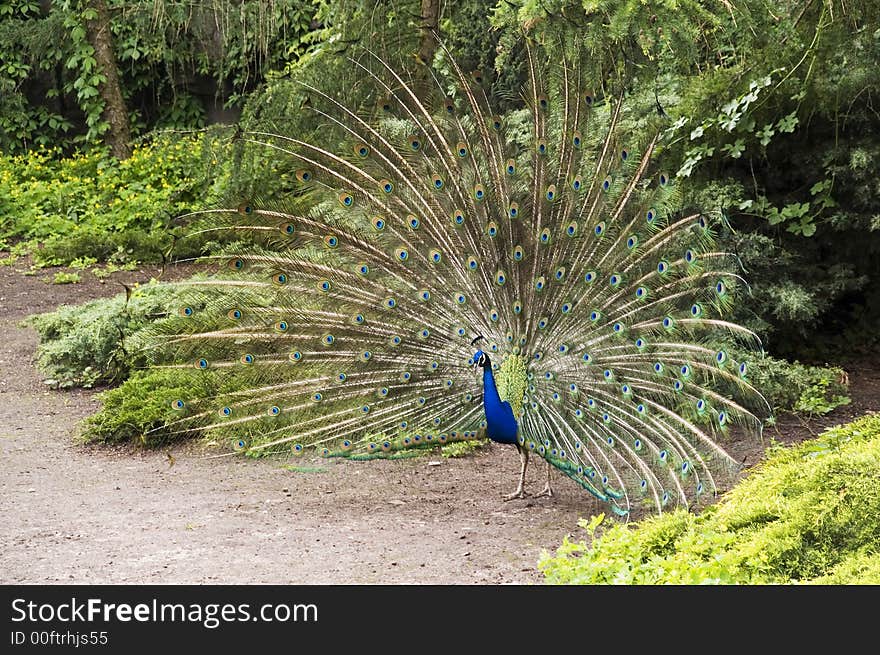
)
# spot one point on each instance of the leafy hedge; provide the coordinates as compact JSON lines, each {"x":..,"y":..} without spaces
{"x":90,"y":205}
{"x":810,"y":513}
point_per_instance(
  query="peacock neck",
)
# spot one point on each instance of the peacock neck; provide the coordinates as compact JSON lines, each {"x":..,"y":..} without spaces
{"x":490,"y":391}
{"x":501,"y":425}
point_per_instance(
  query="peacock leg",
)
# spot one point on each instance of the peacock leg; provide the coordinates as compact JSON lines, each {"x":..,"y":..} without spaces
{"x":519,"y":493}
{"x":548,"y":491}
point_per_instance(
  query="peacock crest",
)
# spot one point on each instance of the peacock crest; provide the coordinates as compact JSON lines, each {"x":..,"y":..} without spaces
{"x":426,"y":220}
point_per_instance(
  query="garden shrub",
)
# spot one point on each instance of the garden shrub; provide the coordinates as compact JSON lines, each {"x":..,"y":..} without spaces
{"x":809,"y":513}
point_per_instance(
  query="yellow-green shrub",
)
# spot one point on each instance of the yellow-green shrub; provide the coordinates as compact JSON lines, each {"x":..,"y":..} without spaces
{"x":810,"y":513}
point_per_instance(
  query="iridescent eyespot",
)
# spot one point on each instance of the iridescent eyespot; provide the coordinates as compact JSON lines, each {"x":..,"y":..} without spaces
{"x":437,"y":181}
{"x":328,"y":339}
{"x":641,"y":292}
{"x":518,"y":253}
{"x":185,"y":311}
{"x":662,"y":266}
{"x":595,"y":315}
{"x":304,"y":175}
{"x":461,"y":149}
{"x":280,"y":278}
{"x":500,"y":278}
{"x":202,"y":363}
{"x":274,"y":410}
{"x":236,"y":264}
{"x":542,"y":101}
{"x":414,"y":143}
{"x":572,"y":229}
{"x":606,"y":184}
{"x":295,"y":356}
{"x":390,"y":302}
{"x":402,"y":254}
{"x":358,"y":319}
{"x":721,"y":357}
{"x":668,"y":322}
{"x":576,"y":184}
{"x":362,"y":150}
{"x":542,"y":146}
{"x":492,"y":229}
{"x":550,"y":194}
{"x":424,"y":294}
{"x":696,"y":310}
{"x":386,"y":186}
{"x":459,"y":298}
{"x":413,"y":222}
{"x":378,"y":223}
{"x":544,"y":236}
{"x":435,"y":256}
{"x":479,"y":192}
{"x":346,"y":199}
{"x":324,"y":285}
{"x":472,"y":263}
{"x":576,"y":140}
{"x":615,"y":280}
{"x":517,"y":307}
{"x":281,"y":326}
{"x":496,"y":122}
{"x":458,"y":217}
{"x":363,"y":269}
{"x":395,"y":340}
{"x":632,"y":241}
{"x":664,"y":179}
{"x":246,"y":209}
{"x":599,"y":230}
{"x":510,"y":167}
{"x":690,"y":256}
{"x":178,"y":404}
{"x":650,"y":216}
{"x":539,"y":283}
{"x":721,"y":288}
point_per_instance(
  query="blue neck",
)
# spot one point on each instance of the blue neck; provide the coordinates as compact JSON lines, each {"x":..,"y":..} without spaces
{"x":500,"y":423}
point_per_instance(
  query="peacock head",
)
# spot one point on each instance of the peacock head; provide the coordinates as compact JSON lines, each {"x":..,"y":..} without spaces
{"x":482,"y":359}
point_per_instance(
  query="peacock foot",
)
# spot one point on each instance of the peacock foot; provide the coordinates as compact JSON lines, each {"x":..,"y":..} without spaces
{"x":519,"y":493}
{"x":548,"y":491}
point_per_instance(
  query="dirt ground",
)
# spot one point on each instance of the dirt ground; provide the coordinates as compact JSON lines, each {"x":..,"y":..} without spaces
{"x":89,"y":514}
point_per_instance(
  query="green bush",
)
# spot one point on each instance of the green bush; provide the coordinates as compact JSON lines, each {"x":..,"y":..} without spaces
{"x":143,"y":403}
{"x":810,"y":513}
{"x":798,"y":387}
{"x":84,"y":345}
{"x":90,"y":205}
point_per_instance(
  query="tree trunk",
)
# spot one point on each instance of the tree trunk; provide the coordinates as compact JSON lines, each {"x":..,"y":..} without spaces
{"x":118,"y":137}
{"x":430,"y":15}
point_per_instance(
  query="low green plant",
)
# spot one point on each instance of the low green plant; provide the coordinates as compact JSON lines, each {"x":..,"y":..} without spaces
{"x":794,"y":386}
{"x":63,"y":277}
{"x":809,"y":513}
{"x":84,"y":208}
{"x":142,"y":404}
{"x":84,"y":345}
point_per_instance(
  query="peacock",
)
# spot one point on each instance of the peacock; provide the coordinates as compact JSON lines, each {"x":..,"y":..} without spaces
{"x":435,"y":272}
